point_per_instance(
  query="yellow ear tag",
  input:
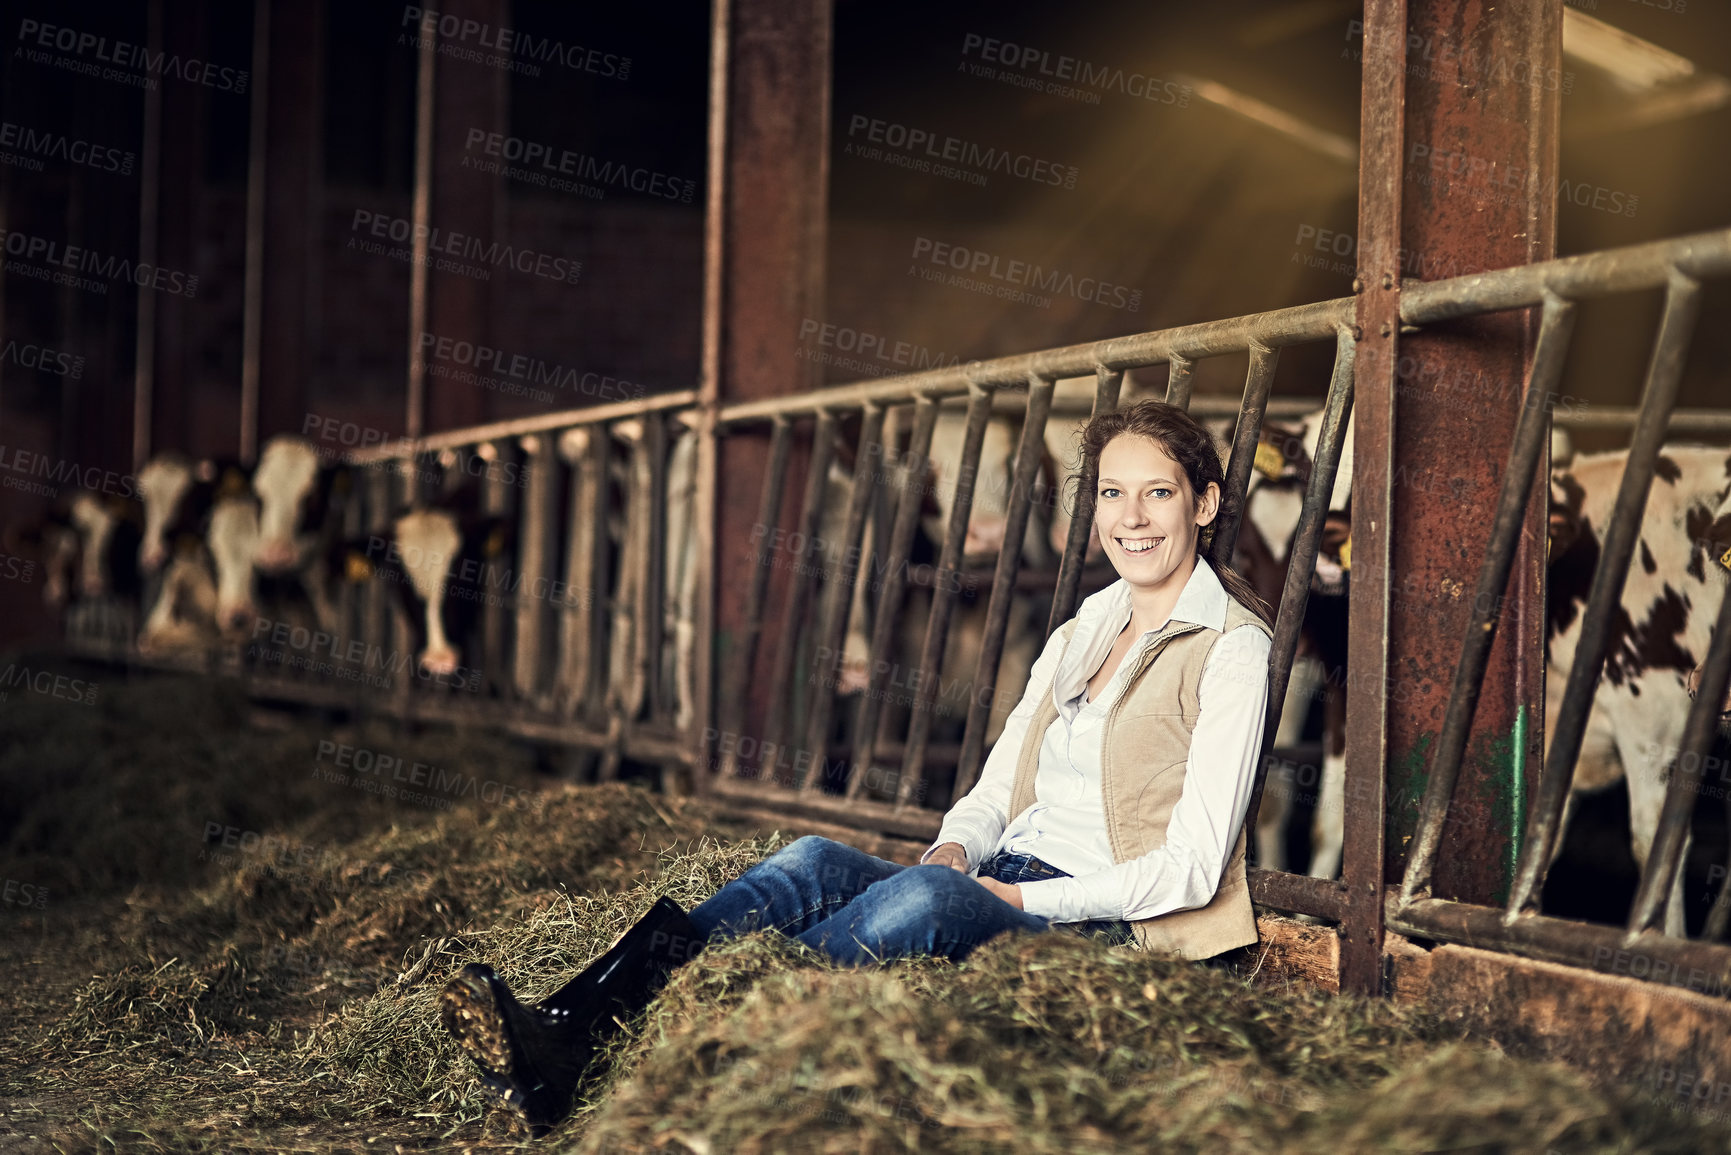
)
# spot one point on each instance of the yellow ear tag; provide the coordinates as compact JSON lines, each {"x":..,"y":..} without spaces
{"x":1725,"y":559}
{"x":359,"y":569}
{"x":1269,"y":461}
{"x":1346,"y":553}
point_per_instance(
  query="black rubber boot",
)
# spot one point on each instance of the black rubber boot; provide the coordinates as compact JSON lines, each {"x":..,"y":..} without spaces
{"x":534,"y":1057}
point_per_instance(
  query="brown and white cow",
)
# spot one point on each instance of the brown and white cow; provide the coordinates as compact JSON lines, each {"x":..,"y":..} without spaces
{"x":1659,"y":636}
{"x":179,"y":496}
{"x":299,"y":519}
{"x":1274,"y":501}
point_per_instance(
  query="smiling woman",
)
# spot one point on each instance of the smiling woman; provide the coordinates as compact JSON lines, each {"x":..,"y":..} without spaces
{"x":1113,"y":804}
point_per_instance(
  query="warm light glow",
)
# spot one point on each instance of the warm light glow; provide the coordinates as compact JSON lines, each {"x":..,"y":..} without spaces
{"x":1318,"y":140}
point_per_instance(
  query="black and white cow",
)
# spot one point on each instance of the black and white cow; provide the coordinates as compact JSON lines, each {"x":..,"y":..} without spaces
{"x":50,"y":541}
{"x":300,"y":519}
{"x":443,"y":562}
{"x":1274,"y":501}
{"x":1659,"y":635}
{"x":179,"y":497}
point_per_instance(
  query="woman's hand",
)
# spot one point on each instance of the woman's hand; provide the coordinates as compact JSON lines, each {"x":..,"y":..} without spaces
{"x":1008,"y":891}
{"x":950,"y":854}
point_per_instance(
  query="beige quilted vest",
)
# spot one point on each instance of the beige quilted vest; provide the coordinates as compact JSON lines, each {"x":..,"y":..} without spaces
{"x":1142,"y":773}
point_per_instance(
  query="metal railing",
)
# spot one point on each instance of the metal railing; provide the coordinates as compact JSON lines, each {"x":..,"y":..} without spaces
{"x":1677,"y":267}
{"x":985,"y":386}
{"x":590,"y":670}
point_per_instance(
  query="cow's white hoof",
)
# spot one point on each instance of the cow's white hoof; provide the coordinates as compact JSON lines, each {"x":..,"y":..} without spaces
{"x":439,"y":663}
{"x":853,"y":678}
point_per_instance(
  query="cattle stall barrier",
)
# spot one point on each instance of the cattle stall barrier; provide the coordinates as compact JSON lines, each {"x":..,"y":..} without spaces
{"x":548,"y":663}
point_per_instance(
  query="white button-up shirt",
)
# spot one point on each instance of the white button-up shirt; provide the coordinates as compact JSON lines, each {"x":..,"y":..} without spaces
{"x":1066,"y":824}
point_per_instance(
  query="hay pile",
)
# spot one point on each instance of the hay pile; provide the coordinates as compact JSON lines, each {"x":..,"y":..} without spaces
{"x":286,"y":1000}
{"x":1036,"y":1043}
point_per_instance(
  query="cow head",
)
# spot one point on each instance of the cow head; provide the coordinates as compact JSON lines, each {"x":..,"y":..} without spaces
{"x":288,"y":469}
{"x":233,"y":539}
{"x":1274,"y":503}
{"x":163,"y":484}
{"x":95,"y":520}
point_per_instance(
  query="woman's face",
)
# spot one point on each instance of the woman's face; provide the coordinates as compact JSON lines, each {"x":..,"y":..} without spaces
{"x":1146,"y":515}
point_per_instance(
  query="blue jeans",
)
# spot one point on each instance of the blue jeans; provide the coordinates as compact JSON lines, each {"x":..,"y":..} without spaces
{"x":859,"y":909}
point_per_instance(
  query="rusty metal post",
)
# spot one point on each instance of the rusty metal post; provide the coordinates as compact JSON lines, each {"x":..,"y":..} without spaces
{"x":293,"y":217}
{"x":252,"y":293}
{"x":149,"y":201}
{"x":465,"y":96}
{"x":180,"y":173}
{"x":426,"y":72}
{"x":764,"y":267}
{"x":1490,"y":91}
{"x":1376,"y":331}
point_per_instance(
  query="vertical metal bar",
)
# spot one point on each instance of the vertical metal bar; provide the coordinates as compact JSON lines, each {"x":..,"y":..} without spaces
{"x":149,"y":219}
{"x":581,"y":531}
{"x":944,"y":594}
{"x":252,"y":292}
{"x":650,"y":624}
{"x":354,"y":527}
{"x":535,"y":564}
{"x":1307,"y":541}
{"x":1531,"y":438}
{"x":745,"y":652}
{"x":885,"y":629}
{"x":1257,"y":382}
{"x":1004,"y":583}
{"x":802,"y":579}
{"x":832,"y":633}
{"x":377,"y":620}
{"x":1376,"y":331}
{"x":1064,"y":599}
{"x":707,"y":515}
{"x":496,"y":502}
{"x":415,"y":420}
{"x":1665,"y":856}
{"x":597,"y":621}
{"x":1604,"y":599}
{"x":1178,"y":383}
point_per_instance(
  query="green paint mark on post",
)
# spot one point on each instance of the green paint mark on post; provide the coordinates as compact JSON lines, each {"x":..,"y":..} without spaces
{"x":1517,"y":792}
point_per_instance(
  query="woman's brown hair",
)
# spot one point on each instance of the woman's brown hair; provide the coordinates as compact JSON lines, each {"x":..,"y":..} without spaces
{"x":1182,"y":438}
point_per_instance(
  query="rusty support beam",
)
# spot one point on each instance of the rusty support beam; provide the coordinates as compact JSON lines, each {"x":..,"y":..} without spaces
{"x":1452,"y":457}
{"x":1376,"y":332}
{"x":466,"y":96}
{"x":179,"y":216}
{"x":426,"y":74}
{"x":293,"y":217}
{"x":252,"y":291}
{"x":149,"y":243}
{"x":764,"y":253}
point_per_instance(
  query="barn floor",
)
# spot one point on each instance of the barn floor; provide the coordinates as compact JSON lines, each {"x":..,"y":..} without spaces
{"x":219,"y":937}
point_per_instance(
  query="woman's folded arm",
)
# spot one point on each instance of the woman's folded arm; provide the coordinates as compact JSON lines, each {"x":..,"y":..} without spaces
{"x":1221,"y":769}
{"x":977,"y":820}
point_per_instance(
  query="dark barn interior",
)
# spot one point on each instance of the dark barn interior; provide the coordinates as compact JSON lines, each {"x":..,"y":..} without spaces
{"x":631,"y":297}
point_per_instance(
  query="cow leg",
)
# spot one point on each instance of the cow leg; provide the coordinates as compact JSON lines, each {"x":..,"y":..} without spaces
{"x":1275,"y":811}
{"x":1328,"y":828}
{"x":429,"y":541}
{"x":1647,"y":781}
{"x":1599,"y":765}
{"x":855,"y":673}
